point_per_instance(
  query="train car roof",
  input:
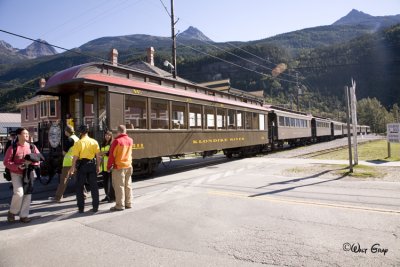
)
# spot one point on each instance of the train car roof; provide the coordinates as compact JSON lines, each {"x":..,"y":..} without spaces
{"x":337,"y":122}
{"x":289,"y":113}
{"x":273,"y":107}
{"x":95,"y":74}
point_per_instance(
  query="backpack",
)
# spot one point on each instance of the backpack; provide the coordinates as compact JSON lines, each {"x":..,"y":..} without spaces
{"x":7,"y":173}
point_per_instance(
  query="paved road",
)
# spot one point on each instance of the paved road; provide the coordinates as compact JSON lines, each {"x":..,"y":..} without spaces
{"x":237,"y":213}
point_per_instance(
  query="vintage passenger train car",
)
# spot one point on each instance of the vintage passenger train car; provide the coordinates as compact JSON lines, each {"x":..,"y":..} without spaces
{"x":168,"y":117}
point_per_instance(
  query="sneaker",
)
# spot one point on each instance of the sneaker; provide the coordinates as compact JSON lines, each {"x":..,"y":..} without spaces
{"x":54,"y":199}
{"x":25,"y":219}
{"x":128,"y":207}
{"x":106,"y":199}
{"x":10,"y":217}
{"x":115,"y":209}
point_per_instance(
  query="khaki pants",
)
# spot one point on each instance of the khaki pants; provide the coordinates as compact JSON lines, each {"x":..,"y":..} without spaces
{"x":20,"y":203}
{"x":63,"y":183}
{"x":122,"y":183}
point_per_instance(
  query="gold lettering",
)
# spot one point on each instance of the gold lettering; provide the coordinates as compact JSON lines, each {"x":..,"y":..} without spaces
{"x":136,"y":91}
{"x":138,"y":146}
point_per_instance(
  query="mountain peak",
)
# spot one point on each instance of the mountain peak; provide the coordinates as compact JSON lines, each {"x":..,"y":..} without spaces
{"x":7,"y":46}
{"x":38,"y":48}
{"x":354,"y":17}
{"x":192,"y":33}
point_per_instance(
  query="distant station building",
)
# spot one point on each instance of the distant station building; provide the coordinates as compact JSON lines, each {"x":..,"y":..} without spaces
{"x":225,"y":86}
{"x":9,"y":122}
{"x":37,"y":111}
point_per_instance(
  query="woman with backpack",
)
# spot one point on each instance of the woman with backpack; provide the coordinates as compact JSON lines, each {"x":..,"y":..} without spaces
{"x":18,"y":159}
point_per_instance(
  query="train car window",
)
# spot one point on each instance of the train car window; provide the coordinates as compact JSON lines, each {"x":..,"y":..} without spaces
{"x":292,"y":122}
{"x":209,"y":113}
{"x":159,"y":114}
{"x":240,"y":119}
{"x":74,"y":110}
{"x":102,"y":108}
{"x":287,"y":121}
{"x":221,"y":118}
{"x":167,"y":84}
{"x":151,"y":80}
{"x":135,"y":112}
{"x":261,"y":122}
{"x":231,"y":119}
{"x":88,"y":111}
{"x":281,"y":121}
{"x":179,"y":115}
{"x":179,"y":86}
{"x":195,"y":116}
{"x":255,"y":121}
{"x":191,"y":89}
{"x":248,"y":121}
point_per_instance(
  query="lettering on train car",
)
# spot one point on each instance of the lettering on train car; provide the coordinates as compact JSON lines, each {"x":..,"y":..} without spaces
{"x":217,"y":140}
{"x":136,"y":91}
{"x":138,"y":146}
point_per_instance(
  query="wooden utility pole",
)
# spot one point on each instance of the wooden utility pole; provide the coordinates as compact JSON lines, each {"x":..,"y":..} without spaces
{"x":354,"y":119}
{"x":173,"y":36}
{"x":348,"y":111}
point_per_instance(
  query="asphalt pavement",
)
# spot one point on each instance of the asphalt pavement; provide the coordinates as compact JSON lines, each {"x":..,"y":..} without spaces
{"x":245,"y":212}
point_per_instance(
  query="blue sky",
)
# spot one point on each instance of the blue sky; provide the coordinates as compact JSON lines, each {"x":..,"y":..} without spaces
{"x":71,"y":23}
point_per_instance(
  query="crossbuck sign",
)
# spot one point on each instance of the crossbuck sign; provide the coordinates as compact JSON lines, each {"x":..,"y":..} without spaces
{"x":393,"y":132}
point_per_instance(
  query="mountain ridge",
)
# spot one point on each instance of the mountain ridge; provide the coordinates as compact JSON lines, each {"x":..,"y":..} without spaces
{"x":36,"y":49}
{"x":293,"y":49}
{"x":356,"y":17}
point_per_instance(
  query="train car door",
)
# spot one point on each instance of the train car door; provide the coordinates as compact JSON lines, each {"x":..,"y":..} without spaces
{"x":272,"y":127}
{"x":313,"y":130}
{"x":87,"y":107}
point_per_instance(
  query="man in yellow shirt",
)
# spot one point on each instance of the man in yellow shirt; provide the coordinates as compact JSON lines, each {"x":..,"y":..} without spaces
{"x":86,"y":152}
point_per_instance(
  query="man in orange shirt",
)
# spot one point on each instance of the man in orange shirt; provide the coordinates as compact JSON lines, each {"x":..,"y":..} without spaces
{"x":120,"y":161}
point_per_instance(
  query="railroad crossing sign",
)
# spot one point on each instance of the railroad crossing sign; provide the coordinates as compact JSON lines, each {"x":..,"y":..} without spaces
{"x":393,"y":132}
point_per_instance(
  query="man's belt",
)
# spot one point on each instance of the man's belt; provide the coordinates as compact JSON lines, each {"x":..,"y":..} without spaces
{"x":84,"y":161}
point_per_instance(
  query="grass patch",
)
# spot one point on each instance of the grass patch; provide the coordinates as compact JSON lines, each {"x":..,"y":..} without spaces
{"x":371,"y":151}
{"x":296,"y":170}
{"x":361,"y":171}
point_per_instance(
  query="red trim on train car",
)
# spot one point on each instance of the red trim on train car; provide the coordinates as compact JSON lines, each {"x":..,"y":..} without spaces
{"x":162,"y":89}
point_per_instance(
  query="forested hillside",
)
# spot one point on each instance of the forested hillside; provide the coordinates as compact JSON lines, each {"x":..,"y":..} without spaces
{"x":319,"y":61}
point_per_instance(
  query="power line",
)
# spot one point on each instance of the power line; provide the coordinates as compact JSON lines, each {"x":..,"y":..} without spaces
{"x":231,"y":63}
{"x":245,"y":59}
{"x":59,"y":47}
{"x":166,"y":9}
